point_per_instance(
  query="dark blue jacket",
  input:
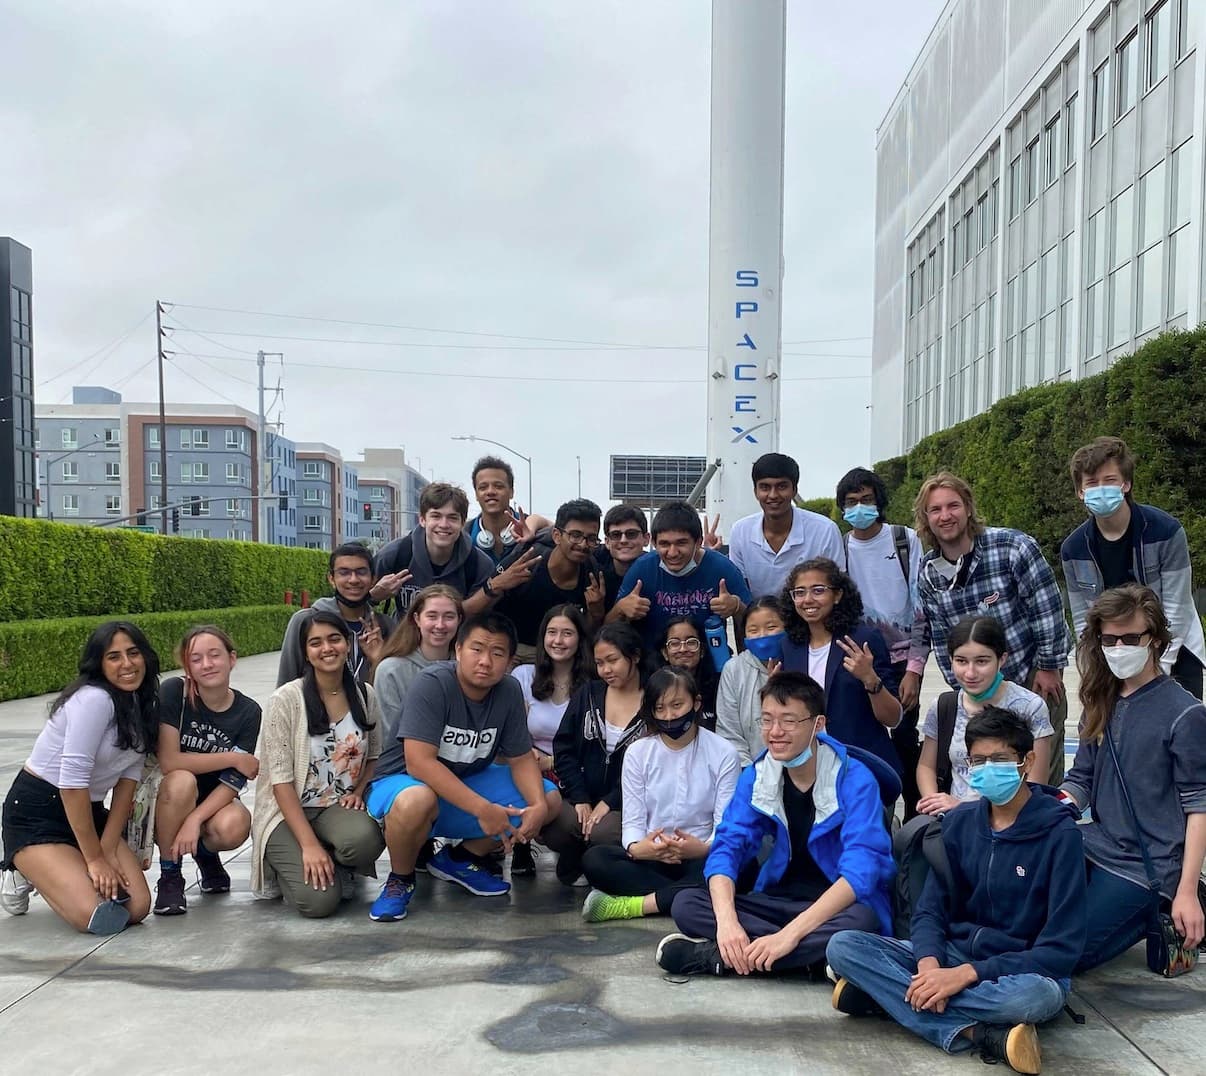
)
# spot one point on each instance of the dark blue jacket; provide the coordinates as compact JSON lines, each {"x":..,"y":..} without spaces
{"x":848,"y":713}
{"x":1019,"y":901}
{"x":848,"y":838}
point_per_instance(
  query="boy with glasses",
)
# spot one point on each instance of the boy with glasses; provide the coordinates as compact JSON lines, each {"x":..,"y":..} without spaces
{"x":830,"y":862}
{"x":992,"y":958}
{"x":350,"y":573}
{"x":564,"y":574}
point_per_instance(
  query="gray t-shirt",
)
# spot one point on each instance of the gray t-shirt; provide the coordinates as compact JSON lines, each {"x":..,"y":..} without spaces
{"x":469,"y":735}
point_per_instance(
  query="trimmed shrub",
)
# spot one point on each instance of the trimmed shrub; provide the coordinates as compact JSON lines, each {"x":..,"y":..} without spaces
{"x":59,"y":570}
{"x":1016,"y":454}
{"x":824,"y":506}
{"x":39,"y":656}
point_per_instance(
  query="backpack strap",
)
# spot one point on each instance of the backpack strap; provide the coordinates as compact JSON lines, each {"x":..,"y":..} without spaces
{"x":846,"y":547}
{"x":948,"y":711}
{"x":901,"y":537}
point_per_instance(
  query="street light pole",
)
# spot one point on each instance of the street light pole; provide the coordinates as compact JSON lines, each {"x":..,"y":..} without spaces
{"x":163,"y":475}
{"x":505,"y":448}
{"x":55,"y":459}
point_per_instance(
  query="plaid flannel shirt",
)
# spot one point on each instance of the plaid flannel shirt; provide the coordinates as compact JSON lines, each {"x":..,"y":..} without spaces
{"x":1006,"y":576}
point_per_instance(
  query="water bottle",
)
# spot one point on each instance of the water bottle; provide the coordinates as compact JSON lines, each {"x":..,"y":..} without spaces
{"x":718,"y":641}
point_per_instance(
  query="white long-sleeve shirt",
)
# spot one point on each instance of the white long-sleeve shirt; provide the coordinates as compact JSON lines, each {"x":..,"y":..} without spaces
{"x":670,"y":789}
{"x":77,"y":747}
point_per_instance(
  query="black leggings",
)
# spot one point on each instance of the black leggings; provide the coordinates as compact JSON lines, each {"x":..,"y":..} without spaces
{"x":608,"y":868}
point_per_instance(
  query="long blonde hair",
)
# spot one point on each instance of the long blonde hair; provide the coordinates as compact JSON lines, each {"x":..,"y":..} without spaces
{"x":1098,"y":685}
{"x":405,"y":638}
{"x":943,"y":480}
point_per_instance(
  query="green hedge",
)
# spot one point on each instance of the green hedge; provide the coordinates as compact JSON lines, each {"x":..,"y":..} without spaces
{"x":38,"y":656}
{"x":824,"y":506}
{"x":1016,"y":454}
{"x":59,"y":570}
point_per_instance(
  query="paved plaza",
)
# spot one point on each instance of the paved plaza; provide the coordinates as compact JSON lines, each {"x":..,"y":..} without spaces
{"x":467,"y":985}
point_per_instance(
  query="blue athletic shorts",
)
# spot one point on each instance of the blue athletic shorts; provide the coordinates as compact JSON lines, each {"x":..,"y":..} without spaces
{"x":494,"y":783}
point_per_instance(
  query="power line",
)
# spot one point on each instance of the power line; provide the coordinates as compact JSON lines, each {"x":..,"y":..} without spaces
{"x":216,"y":343}
{"x":209,"y":388}
{"x":102,"y":352}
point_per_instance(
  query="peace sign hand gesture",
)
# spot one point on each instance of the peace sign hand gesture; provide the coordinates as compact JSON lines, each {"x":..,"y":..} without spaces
{"x":711,"y":535}
{"x":859,"y":662}
{"x":595,"y":593}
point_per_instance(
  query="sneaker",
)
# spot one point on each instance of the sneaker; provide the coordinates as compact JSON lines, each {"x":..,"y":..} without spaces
{"x":391,"y":905}
{"x":169,"y":894}
{"x":469,"y":874}
{"x":1018,"y":1046}
{"x":426,"y":852}
{"x":494,"y":861}
{"x":600,"y":907}
{"x":14,"y":892}
{"x":213,"y":877}
{"x":680,"y":955}
{"x":853,"y":1001}
{"x":523,"y":861}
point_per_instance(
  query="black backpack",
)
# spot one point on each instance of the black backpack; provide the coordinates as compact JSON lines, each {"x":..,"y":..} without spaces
{"x":918,"y":849}
{"x":948,"y":713}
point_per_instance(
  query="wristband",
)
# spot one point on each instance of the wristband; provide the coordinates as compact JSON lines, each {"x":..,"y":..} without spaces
{"x":879,"y":686}
{"x":489,"y":590}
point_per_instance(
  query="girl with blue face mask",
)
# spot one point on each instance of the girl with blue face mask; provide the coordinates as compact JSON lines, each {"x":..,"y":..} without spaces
{"x":977,"y":648}
{"x":738,"y":704}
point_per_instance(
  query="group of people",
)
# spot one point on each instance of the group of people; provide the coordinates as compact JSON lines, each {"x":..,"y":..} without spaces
{"x":527,"y":682}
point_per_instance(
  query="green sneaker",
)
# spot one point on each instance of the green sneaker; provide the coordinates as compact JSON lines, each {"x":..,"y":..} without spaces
{"x":600,"y":907}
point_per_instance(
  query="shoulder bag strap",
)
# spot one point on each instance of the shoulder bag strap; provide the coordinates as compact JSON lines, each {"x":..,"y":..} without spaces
{"x":901,"y":538}
{"x":948,"y":714}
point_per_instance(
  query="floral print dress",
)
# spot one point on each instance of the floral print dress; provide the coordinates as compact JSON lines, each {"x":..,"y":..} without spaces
{"x":337,"y":758}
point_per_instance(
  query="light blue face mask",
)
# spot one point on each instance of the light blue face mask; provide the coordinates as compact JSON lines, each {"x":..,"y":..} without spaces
{"x":997,"y":782}
{"x":861,"y":516}
{"x":1104,"y":500}
{"x":804,"y":755}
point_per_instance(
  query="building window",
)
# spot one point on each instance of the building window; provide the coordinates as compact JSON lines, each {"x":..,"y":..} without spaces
{"x":1182,"y":27}
{"x":1051,"y":152}
{"x":994,"y":207}
{"x":1128,"y":70}
{"x":113,"y":436}
{"x":236,"y":439}
{"x":1070,"y":132}
{"x":1150,"y":268}
{"x":1122,"y":246}
{"x":1151,"y":207}
{"x":1101,"y":100}
{"x":1015,"y":188}
{"x":1180,"y":251}
{"x":155,"y":472}
{"x":1032,"y":170}
{"x":233,"y":474}
{"x":312,"y":496}
{"x":311,"y":469}
{"x":1182,"y":189}
{"x":113,"y":504}
{"x":71,"y":471}
{"x":71,"y":504}
{"x":70,"y":437}
{"x":234,"y":508}
{"x":194,"y":472}
{"x":200,"y":438}
{"x":1158,"y":37}
{"x":312,"y":523}
{"x":1120,"y":305}
{"x":153,"y":436}
{"x":113,"y":472}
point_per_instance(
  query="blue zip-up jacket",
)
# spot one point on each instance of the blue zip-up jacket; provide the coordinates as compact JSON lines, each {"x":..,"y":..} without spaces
{"x":1019,"y":901}
{"x":1159,"y":559}
{"x":848,"y":838}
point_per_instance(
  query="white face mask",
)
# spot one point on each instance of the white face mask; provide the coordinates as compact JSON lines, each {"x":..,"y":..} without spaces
{"x":686,"y":569}
{"x":1126,"y":661}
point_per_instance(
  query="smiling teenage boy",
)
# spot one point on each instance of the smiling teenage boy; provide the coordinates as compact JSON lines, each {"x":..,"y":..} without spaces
{"x":994,"y":956}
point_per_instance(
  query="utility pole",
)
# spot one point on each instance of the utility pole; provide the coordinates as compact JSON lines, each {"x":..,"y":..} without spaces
{"x":261,"y":455}
{"x":579,"y":458}
{"x":163,"y":475}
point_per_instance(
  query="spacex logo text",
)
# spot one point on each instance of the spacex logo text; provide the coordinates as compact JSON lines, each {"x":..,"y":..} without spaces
{"x":745,"y":401}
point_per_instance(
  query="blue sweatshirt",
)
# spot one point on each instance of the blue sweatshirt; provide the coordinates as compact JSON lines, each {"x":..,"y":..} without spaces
{"x":1019,"y":901}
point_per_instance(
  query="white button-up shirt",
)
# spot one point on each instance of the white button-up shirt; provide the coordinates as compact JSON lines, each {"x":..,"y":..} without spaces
{"x":669,"y":789}
{"x":812,"y":535}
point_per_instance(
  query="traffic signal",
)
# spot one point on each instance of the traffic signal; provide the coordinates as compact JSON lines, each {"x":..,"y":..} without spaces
{"x":142,"y":518}
{"x":175,"y":520}
{"x":368,"y":513}
{"x":194,"y":508}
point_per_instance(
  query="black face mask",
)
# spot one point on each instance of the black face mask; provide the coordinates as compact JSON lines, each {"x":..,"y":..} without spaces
{"x":679,"y":727}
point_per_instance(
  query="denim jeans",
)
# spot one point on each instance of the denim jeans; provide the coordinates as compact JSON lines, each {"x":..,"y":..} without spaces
{"x":1118,"y":913}
{"x":884,"y":967}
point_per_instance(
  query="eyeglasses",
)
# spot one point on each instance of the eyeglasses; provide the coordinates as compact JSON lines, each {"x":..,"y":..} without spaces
{"x":787,"y":724}
{"x":690,"y":645}
{"x":800,"y":593}
{"x":868,"y":500}
{"x":981,"y":760}
{"x":624,"y":536}
{"x":352,"y":573}
{"x":578,"y":538}
{"x":1131,"y":638}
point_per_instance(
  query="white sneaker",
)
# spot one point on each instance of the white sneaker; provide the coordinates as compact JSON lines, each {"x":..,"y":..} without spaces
{"x":14,"y":892}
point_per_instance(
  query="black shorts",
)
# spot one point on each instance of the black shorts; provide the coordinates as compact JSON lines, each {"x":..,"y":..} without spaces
{"x":34,"y":814}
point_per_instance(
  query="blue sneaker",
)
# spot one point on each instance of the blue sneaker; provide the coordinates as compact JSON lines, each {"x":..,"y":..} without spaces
{"x":391,"y":905}
{"x":468,"y":874}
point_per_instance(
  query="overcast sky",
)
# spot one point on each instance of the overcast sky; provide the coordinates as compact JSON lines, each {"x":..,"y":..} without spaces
{"x":532,"y":170}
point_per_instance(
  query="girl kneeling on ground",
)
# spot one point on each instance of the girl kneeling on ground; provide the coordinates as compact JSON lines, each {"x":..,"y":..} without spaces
{"x":207,"y":738}
{"x":677,"y":782}
{"x":320,"y":742}
{"x":58,"y":837}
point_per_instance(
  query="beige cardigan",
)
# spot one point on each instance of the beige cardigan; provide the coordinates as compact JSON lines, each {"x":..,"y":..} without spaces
{"x":284,"y":754}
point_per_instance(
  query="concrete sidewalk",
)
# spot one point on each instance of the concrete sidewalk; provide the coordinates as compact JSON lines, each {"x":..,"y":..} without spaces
{"x":472,"y":985}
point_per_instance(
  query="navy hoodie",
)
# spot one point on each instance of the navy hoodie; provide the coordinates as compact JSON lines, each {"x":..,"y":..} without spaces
{"x":1019,"y":901}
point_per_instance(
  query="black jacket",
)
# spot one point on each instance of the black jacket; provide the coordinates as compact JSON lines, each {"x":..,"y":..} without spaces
{"x":587,"y":773}
{"x":466,"y":570}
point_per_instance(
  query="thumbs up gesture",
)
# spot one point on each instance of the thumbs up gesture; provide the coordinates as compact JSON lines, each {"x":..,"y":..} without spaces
{"x":725,"y":604}
{"x":634,"y":606}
